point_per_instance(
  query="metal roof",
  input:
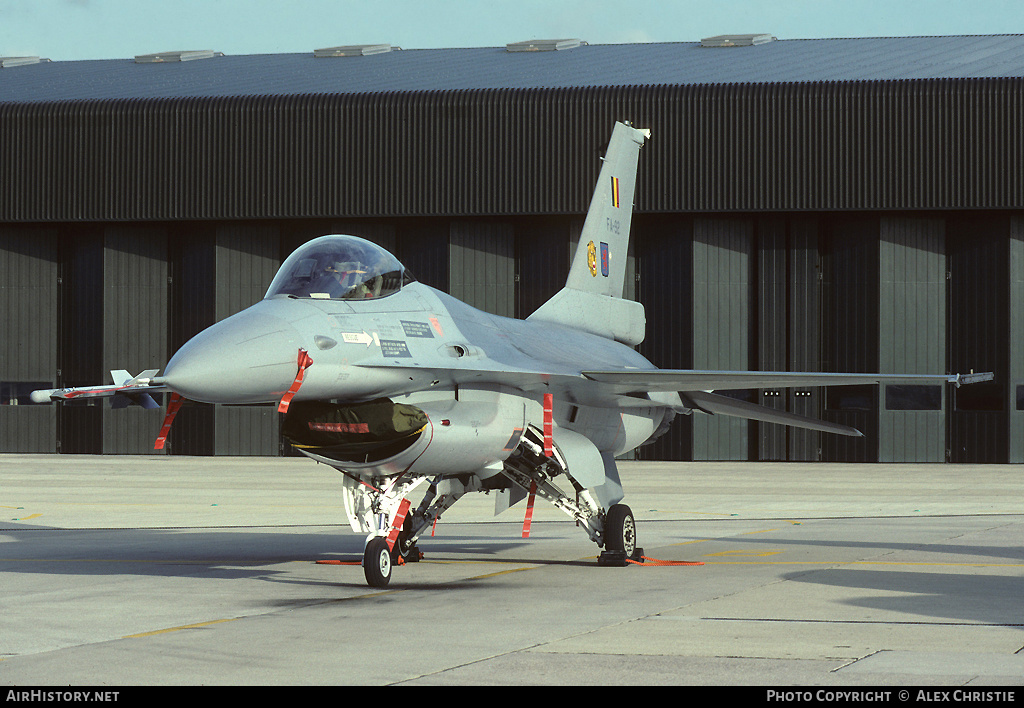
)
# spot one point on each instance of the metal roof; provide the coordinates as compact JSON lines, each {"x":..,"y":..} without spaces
{"x":588,"y":65}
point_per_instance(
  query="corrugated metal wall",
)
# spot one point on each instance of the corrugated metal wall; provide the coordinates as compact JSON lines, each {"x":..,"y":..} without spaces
{"x":721,"y":281}
{"x":978,"y":255}
{"x":28,"y":346}
{"x":850,"y":291}
{"x":923,"y":293}
{"x":134,"y":326}
{"x":788,"y":301}
{"x":220,"y":270}
{"x":483,"y":266}
{"x":665,"y":253}
{"x":912,"y":337}
{"x":542,"y":260}
{"x":1016,"y":316}
{"x":80,"y":327}
{"x":915,"y":144}
{"x":247,"y":258}
{"x":422,"y":246}
{"x":831,"y":183}
{"x":193,"y":274}
{"x":772,"y":299}
{"x":805,"y":331}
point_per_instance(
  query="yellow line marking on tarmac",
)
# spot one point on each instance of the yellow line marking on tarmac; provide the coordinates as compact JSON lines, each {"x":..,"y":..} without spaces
{"x":685,"y":511}
{"x":755,"y":554}
{"x":364,"y":596}
{"x":178,"y":629}
{"x":501,"y":572}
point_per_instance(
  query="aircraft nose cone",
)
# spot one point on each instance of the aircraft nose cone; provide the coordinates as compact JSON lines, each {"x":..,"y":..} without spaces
{"x":250,"y":357}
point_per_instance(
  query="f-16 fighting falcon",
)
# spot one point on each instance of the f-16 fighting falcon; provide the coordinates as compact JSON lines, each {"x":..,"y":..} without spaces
{"x":399,"y":386}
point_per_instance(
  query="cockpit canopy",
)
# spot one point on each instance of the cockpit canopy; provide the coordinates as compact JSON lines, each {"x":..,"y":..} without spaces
{"x":339,"y":268}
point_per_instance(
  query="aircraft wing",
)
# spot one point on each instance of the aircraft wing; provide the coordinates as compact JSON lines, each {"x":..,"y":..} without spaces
{"x":683,"y":380}
{"x":695,"y":390}
{"x":723,"y":405}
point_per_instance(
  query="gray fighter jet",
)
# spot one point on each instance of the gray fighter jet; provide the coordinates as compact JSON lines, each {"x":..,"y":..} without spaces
{"x":400,"y":386}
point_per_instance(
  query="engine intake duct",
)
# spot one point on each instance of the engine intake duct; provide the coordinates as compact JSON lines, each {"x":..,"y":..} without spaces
{"x":359,"y":433}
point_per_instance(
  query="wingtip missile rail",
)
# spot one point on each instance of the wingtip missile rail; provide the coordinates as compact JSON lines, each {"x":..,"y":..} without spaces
{"x":133,"y":389}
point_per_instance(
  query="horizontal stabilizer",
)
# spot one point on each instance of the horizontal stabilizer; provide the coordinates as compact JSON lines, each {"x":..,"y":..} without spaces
{"x":723,"y":405}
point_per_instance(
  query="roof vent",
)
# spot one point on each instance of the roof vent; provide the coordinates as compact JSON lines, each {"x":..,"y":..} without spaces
{"x":736,"y":40}
{"x":161,"y":57}
{"x":6,"y":62}
{"x":354,"y":50}
{"x":544,"y":45}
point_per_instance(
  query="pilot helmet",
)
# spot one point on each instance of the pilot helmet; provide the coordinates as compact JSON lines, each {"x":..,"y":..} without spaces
{"x":347,"y":273}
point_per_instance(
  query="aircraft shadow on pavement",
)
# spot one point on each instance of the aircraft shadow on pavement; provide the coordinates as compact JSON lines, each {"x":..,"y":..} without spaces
{"x":952,"y":597}
{"x":944,"y":552}
{"x":231,"y":553}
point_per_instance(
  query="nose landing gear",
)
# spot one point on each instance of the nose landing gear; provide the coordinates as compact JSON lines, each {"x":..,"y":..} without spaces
{"x":377,"y":562}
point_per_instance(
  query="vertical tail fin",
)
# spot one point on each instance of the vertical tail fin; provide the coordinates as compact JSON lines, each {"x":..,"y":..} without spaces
{"x":592,"y":297}
{"x":599,"y":265}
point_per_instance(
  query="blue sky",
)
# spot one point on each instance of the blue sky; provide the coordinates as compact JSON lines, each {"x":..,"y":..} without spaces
{"x":107,"y":29}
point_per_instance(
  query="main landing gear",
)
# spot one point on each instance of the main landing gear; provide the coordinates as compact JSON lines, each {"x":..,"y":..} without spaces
{"x":381,"y":508}
{"x":619,"y":537}
{"x":619,"y":544}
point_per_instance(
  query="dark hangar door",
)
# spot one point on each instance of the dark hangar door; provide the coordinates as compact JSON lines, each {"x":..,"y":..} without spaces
{"x":788,"y":294}
{"x":664,"y":286}
{"x":978,"y":255}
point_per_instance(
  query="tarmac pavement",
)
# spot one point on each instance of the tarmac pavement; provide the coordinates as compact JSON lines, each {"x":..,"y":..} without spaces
{"x":142,"y":571}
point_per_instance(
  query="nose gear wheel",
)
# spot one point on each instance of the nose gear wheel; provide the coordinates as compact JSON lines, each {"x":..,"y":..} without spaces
{"x":377,"y":562}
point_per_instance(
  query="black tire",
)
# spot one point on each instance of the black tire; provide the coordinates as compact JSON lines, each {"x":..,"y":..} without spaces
{"x":377,"y":562}
{"x":620,"y":530}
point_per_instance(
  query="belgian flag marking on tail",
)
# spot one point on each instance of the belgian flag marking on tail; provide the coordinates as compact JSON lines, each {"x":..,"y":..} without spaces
{"x":615,"y":192}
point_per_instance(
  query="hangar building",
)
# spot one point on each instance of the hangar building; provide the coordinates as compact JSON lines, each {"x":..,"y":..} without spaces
{"x":832,"y":205}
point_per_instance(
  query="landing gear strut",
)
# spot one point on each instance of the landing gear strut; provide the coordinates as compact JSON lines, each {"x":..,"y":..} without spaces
{"x":405,"y":549}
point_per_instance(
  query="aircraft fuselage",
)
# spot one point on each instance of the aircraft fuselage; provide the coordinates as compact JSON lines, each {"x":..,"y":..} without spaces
{"x":418,"y":344}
